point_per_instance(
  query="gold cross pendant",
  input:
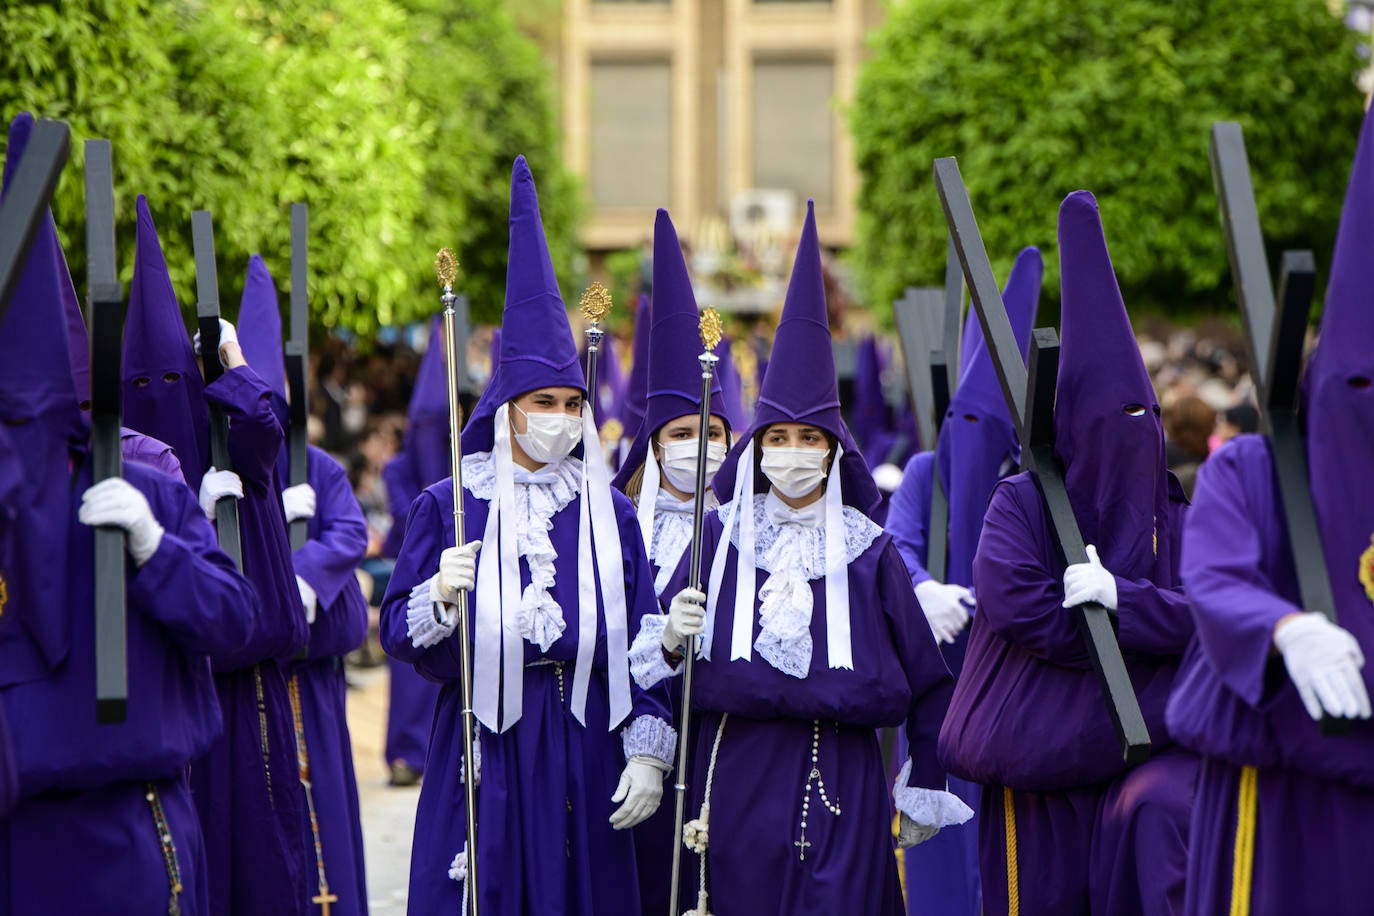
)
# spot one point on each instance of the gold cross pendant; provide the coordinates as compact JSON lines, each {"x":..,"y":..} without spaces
{"x":324,"y":898}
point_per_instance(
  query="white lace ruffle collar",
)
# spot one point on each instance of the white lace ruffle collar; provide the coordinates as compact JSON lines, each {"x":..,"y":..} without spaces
{"x":672,"y":535}
{"x":860,"y":532}
{"x":537,"y":501}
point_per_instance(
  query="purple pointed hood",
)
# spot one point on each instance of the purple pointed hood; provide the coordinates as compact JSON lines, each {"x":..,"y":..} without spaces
{"x":674,"y":375}
{"x":425,"y":444}
{"x":977,"y":434}
{"x":799,"y":385}
{"x":537,"y":349}
{"x":637,"y":385}
{"x":164,"y":394}
{"x":78,"y":344}
{"x":1106,"y":418}
{"x":731,"y":388}
{"x":1338,"y":396}
{"x":259,"y":330}
{"x":869,"y":415}
{"x":38,"y":406}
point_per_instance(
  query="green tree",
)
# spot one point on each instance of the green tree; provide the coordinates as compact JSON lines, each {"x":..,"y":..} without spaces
{"x":1037,"y":98}
{"x":483,"y":90}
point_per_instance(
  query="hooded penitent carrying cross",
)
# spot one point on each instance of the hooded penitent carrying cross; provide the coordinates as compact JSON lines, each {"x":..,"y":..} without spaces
{"x":672,"y":388}
{"x":113,"y":798}
{"x":1031,"y":410}
{"x":247,"y":788}
{"x":813,"y":639}
{"x":977,"y":447}
{"x":1272,"y":786}
{"x":1060,"y":803}
{"x":324,"y":565}
{"x":561,"y":580}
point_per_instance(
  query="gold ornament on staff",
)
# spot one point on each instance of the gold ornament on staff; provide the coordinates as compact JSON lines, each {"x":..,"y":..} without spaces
{"x":446,"y":268}
{"x":595,"y":305}
{"x":710,"y":328}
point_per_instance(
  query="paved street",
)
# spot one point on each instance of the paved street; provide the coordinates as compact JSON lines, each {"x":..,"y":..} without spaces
{"x":388,"y":814}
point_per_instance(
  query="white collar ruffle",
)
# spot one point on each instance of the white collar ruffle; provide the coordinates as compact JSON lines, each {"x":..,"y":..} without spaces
{"x":672,"y":534}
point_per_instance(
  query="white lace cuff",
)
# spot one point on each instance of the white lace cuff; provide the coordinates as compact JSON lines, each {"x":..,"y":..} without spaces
{"x":650,"y":736}
{"x":423,"y":629}
{"x":647,"y":664}
{"x":928,"y":807}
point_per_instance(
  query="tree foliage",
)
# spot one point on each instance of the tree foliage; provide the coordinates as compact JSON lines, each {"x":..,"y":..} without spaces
{"x":1038,"y":98}
{"x":395,"y":120}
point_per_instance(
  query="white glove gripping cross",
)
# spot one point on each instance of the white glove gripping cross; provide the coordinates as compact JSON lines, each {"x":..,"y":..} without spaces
{"x":118,"y":503}
{"x":1088,"y":582}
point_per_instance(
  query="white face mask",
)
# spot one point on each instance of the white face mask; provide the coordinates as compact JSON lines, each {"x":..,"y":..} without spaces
{"x":794,"y":472}
{"x":679,"y":463}
{"x":549,"y":437}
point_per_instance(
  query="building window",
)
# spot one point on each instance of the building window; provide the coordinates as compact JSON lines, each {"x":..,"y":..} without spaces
{"x":631,"y":135}
{"x":794,"y":128}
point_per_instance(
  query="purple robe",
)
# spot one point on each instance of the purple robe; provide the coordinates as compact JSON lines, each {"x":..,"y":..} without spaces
{"x":247,"y":786}
{"x":329,"y":560}
{"x":898,"y":678}
{"x":1027,"y":711}
{"x":84,"y":785}
{"x":410,"y":710}
{"x":545,"y":844}
{"x":147,"y":450}
{"x":1235,"y":705}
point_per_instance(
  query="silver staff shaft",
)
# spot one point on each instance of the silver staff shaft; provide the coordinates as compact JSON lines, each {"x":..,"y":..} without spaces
{"x":708,"y":362}
{"x":455,"y":421}
{"x":594,"y":336}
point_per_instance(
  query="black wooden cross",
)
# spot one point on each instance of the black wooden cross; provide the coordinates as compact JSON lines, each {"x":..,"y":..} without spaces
{"x":1275,"y":332}
{"x":297,"y":353}
{"x":26,"y":202}
{"x":207,"y":311}
{"x":105,"y":307}
{"x":1030,"y":400}
{"x":928,"y":326}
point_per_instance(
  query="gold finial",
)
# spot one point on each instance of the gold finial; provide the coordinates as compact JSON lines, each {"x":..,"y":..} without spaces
{"x":596,"y":303}
{"x":710,"y":327}
{"x":446,"y":266}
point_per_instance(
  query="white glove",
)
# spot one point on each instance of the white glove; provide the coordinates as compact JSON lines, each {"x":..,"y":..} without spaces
{"x":946,"y":607}
{"x":457,"y":573}
{"x":1090,"y":581}
{"x":686,"y":617}
{"x":227,"y":335}
{"x":1324,"y":663}
{"x":216,"y":485}
{"x":424,"y":631}
{"x":298,"y":501}
{"x":910,"y":833}
{"x":117,"y":503}
{"x":641,"y":789}
{"x":309,"y":599}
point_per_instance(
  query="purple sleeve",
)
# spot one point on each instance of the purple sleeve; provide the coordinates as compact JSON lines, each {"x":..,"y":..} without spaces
{"x":908,"y":515}
{"x":926,"y":673}
{"x":255,"y":436}
{"x":1019,"y":596}
{"x":640,"y":601}
{"x":189,"y":585}
{"x":329,"y":560}
{"x":1157,"y":621}
{"x":1235,"y":603}
{"x":418,"y":560}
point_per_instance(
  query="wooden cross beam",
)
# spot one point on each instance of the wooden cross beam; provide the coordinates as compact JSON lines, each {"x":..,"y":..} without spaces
{"x":1030,"y":397}
{"x":1275,"y":332}
{"x":105,"y":306}
{"x":297,"y":360}
{"x":26,"y":203}
{"x":207,"y":310}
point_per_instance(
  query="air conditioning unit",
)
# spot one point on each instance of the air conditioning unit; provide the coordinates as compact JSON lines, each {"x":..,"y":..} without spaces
{"x":763,"y":212}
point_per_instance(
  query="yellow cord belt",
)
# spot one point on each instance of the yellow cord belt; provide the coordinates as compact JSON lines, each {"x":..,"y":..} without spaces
{"x":1013,"y":882}
{"x":1243,"y":858}
{"x":324,"y":898}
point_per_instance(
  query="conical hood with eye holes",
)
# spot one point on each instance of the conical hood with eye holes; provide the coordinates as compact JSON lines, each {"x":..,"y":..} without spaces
{"x":1338,"y":396}
{"x":1106,"y":417}
{"x":164,"y":394}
